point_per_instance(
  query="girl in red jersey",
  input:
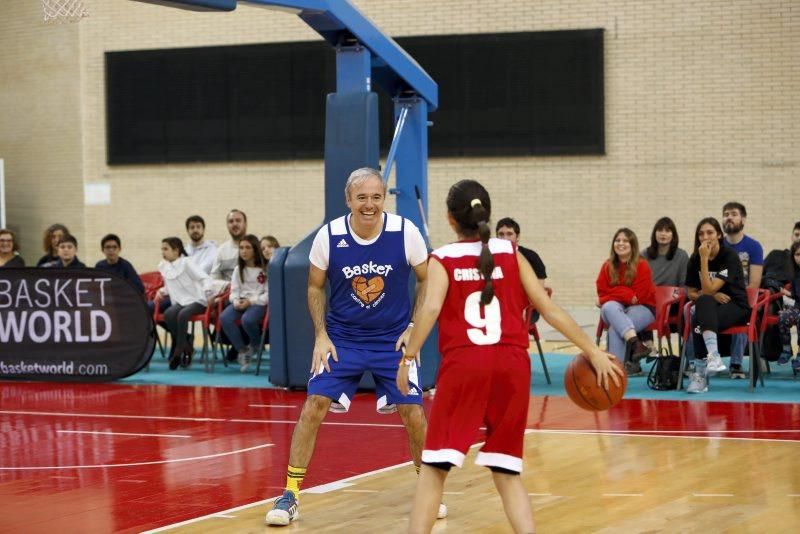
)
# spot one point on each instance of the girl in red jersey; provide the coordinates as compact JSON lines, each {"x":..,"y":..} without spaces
{"x":478,"y":288}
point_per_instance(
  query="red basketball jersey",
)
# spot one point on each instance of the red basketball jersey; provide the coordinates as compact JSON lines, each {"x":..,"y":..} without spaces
{"x":463,"y":322}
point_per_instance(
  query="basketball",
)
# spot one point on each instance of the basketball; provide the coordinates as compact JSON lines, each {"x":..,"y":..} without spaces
{"x":580,"y":381}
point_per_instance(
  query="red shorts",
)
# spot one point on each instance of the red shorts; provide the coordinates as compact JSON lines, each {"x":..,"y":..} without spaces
{"x":480,"y":386}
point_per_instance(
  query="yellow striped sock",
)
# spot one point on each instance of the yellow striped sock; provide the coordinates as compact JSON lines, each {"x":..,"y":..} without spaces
{"x":294,"y":477}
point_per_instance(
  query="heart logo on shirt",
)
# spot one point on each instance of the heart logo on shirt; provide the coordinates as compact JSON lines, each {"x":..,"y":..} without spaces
{"x":366,"y":290}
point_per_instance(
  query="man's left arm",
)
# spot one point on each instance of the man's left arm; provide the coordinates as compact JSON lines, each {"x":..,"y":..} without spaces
{"x":421,"y":271}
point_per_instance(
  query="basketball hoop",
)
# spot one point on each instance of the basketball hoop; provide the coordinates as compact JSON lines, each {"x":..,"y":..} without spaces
{"x":63,"y":10}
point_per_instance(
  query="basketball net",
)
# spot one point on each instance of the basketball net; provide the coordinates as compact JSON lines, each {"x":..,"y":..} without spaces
{"x":63,"y":10}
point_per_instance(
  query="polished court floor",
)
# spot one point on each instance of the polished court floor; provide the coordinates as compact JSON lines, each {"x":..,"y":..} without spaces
{"x":117,"y":458}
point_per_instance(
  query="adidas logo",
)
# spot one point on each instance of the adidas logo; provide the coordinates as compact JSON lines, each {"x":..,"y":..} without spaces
{"x":342,"y":244}
{"x":413,"y":391}
{"x":723,"y":273}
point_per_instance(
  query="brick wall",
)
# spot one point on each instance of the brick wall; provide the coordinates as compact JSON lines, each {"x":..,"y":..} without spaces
{"x":700,"y":109}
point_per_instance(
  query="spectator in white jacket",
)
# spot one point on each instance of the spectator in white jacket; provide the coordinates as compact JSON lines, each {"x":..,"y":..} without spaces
{"x":190,"y":290}
{"x":201,"y":250}
{"x":248,"y":300}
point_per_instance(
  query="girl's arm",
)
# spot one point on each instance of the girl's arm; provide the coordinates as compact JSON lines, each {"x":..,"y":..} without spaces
{"x":561,"y":321}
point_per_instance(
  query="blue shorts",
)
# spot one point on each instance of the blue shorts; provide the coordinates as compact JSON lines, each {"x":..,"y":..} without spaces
{"x":341,"y":383}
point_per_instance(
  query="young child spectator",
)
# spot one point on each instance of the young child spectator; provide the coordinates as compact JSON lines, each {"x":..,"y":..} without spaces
{"x":202,"y":251}
{"x":790,"y":315}
{"x":50,"y":240}
{"x":190,"y":291}
{"x":111,"y":246}
{"x":667,"y":263}
{"x":67,"y":254}
{"x":627,"y":298}
{"x":268,"y":246}
{"x":248,"y":300}
{"x":715,"y":282}
{"x":9,"y":250}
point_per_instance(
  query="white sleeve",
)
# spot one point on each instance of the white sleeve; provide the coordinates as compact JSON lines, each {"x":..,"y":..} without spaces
{"x":320,"y":250}
{"x":416,"y":249}
{"x":236,"y":289}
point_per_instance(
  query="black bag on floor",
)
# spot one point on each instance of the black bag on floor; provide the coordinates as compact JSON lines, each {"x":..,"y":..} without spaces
{"x":663,"y":374}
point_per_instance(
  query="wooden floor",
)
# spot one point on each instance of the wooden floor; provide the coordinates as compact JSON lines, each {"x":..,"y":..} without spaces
{"x":578,"y":483}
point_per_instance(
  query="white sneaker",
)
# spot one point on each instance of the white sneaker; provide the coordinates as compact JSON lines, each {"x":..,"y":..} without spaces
{"x":714,"y":364}
{"x":244,"y":358}
{"x":697,"y":383}
{"x":442,"y":513}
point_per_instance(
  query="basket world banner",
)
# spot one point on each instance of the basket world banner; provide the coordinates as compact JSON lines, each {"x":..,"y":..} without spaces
{"x":76,"y":325}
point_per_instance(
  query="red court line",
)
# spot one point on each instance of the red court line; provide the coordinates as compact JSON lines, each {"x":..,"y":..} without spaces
{"x":221,"y":420}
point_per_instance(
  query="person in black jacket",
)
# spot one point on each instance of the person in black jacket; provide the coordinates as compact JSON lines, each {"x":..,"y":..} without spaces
{"x":67,"y":255}
{"x":111,"y":247}
{"x":790,"y":315}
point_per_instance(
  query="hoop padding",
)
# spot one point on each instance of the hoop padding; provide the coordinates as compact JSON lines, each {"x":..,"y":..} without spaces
{"x":63,"y":10}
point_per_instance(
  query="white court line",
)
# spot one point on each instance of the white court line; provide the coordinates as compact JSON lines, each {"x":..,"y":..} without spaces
{"x":158,"y":417}
{"x":783,"y":431}
{"x":265,"y":501}
{"x":157,"y":462}
{"x":122,"y":434}
{"x":629,"y":433}
{"x":226,"y":516}
{"x":272,"y":405}
{"x":634,"y":435}
{"x":332,"y":423}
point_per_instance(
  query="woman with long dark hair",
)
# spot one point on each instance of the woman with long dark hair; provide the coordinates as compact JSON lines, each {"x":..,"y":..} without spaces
{"x":667,"y":261}
{"x":478,"y":288}
{"x":248,"y":300}
{"x":189,"y":289}
{"x":715,"y":282}
{"x":627,"y":298}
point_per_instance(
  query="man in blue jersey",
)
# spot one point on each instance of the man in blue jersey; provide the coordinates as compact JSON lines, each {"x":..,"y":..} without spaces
{"x":367,"y":257}
{"x":751,"y":255}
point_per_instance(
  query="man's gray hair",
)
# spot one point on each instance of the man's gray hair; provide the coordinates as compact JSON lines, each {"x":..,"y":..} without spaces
{"x":359,"y":176}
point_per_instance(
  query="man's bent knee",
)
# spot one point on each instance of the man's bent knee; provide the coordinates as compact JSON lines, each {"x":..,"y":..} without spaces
{"x":314,"y":409}
{"x":411,"y":414}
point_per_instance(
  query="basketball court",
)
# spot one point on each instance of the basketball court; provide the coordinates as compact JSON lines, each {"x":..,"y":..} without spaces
{"x":199,"y":459}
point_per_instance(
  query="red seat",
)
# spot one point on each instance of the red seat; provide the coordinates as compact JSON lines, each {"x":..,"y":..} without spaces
{"x":666,"y":296}
{"x":208,"y":318}
{"x":756,"y":298}
{"x":533,"y":331}
{"x":152,"y":281}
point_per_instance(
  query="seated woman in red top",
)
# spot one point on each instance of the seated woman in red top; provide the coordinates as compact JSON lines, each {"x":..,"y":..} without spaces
{"x":627,"y":298}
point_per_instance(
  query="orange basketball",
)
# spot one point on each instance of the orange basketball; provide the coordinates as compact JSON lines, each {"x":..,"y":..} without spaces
{"x":580,"y":381}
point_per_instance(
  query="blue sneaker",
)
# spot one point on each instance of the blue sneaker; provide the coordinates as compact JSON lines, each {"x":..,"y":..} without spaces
{"x":784,"y":357}
{"x":284,"y":511}
{"x":796,"y":364}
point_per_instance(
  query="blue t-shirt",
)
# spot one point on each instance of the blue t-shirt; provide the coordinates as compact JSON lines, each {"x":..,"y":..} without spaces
{"x":369,"y":303}
{"x":750,"y":253}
